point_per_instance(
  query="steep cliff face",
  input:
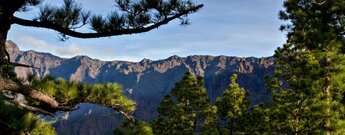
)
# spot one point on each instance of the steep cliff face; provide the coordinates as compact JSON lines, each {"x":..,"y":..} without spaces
{"x":147,"y":81}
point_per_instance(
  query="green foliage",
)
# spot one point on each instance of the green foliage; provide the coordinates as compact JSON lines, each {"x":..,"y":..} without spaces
{"x":258,"y":121}
{"x":16,"y":120}
{"x":71,"y":93}
{"x":233,"y":107}
{"x":7,"y":72}
{"x":68,"y":94}
{"x":69,"y":15}
{"x":43,"y":128}
{"x":134,"y":127}
{"x":312,"y":65}
{"x":186,"y":110}
{"x":128,"y":14}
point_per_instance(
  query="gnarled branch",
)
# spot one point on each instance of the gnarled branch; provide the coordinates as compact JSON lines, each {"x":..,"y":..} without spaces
{"x":33,"y":109}
{"x":126,"y":114}
{"x":27,"y":91}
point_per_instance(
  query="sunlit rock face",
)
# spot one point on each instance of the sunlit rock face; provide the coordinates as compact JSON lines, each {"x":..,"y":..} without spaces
{"x":146,"y":81}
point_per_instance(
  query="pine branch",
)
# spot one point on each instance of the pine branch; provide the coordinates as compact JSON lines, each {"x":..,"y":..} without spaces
{"x":117,"y":108}
{"x":21,"y":65}
{"x":73,"y":33}
{"x":8,"y":125}
{"x":8,"y":62}
{"x":33,"y":109}
{"x":27,"y":91}
{"x":11,"y":99}
{"x":54,"y":105}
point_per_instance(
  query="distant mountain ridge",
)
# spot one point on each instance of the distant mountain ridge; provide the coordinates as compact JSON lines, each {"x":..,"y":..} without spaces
{"x":146,"y":81}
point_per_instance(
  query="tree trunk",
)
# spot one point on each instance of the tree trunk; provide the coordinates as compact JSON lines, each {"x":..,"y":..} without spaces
{"x":7,"y":10}
{"x":219,"y":129}
{"x":327,"y":91}
{"x":5,"y":25}
{"x":232,"y":128}
{"x":195,"y":131}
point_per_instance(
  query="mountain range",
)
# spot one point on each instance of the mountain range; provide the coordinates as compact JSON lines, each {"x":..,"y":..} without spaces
{"x":146,"y":82}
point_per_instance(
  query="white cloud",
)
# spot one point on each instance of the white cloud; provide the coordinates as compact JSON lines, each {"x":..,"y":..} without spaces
{"x":34,"y":42}
{"x":159,"y":52}
{"x":135,"y":55}
{"x":125,"y":58}
{"x":69,"y":51}
{"x":29,"y":42}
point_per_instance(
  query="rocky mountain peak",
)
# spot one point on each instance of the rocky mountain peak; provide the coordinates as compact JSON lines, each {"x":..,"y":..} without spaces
{"x":12,"y":47}
{"x":174,"y":57}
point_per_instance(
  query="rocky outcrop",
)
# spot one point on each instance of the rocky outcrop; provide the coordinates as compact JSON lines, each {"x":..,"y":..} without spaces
{"x":147,"y":81}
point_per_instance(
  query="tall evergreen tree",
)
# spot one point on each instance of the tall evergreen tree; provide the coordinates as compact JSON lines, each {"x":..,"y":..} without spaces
{"x":186,"y":110}
{"x":233,"y":106}
{"x":311,"y":63}
{"x":257,"y":121}
{"x":133,"y":127}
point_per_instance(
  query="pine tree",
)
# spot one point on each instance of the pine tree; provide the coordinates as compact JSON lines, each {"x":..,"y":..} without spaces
{"x":134,"y":127}
{"x":310,"y":75}
{"x":258,"y":121}
{"x":232,"y":107}
{"x":186,"y":110}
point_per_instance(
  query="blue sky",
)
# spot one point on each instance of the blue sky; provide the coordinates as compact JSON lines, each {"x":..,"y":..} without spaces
{"x":223,"y":27}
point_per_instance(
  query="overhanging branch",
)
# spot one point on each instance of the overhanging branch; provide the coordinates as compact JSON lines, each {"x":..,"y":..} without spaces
{"x":72,"y":33}
{"x":33,"y":109}
{"x":27,"y":91}
{"x":9,"y":85}
{"x":118,"y":109}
